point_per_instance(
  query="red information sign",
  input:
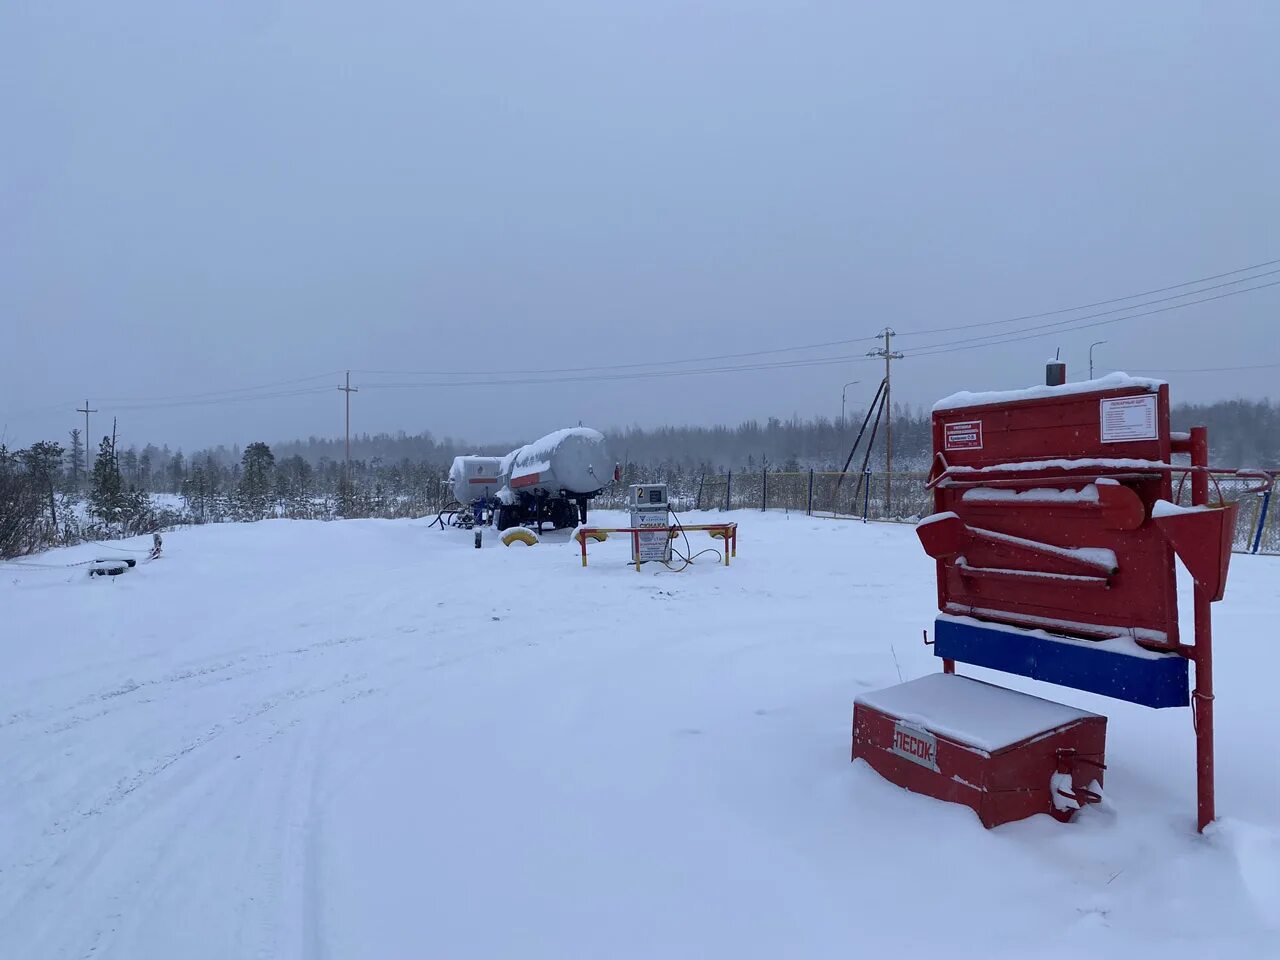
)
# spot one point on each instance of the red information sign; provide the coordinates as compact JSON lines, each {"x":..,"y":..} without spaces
{"x":964,"y":435}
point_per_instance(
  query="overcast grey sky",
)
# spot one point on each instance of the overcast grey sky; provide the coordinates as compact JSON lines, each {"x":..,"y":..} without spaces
{"x":200,"y":196}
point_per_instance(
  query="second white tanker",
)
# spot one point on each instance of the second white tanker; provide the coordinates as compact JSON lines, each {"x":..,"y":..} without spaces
{"x":551,"y":480}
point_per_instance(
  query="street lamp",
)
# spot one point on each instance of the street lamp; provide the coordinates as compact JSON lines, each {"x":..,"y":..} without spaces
{"x":1096,"y":343}
{"x":842,"y":396}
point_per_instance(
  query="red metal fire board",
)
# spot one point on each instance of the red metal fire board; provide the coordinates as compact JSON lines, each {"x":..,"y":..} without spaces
{"x":1005,"y":754}
{"x":1033,"y":544}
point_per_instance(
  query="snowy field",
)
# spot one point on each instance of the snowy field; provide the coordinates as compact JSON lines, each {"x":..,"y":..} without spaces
{"x":366,"y":739}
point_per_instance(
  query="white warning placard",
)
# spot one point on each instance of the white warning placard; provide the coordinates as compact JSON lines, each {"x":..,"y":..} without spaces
{"x":1129,"y":418}
{"x":962,"y":435}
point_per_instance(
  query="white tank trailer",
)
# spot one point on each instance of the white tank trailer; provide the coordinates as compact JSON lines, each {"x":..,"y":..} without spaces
{"x":551,"y":480}
{"x":475,"y":479}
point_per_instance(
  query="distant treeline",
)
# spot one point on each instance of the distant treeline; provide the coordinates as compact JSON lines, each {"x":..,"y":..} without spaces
{"x":1242,"y":433}
{"x":405,"y":474}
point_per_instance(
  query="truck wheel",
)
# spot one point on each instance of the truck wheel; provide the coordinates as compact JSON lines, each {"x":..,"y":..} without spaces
{"x":564,"y":515}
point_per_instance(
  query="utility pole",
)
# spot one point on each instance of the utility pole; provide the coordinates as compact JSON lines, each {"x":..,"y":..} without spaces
{"x":86,"y":411}
{"x":346,"y":468}
{"x":889,"y":355}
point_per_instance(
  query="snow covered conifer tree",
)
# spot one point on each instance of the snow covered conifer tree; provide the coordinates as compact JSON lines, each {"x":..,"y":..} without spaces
{"x":75,"y":474}
{"x":105,"y":487}
{"x":253,"y":493}
{"x":43,"y":461}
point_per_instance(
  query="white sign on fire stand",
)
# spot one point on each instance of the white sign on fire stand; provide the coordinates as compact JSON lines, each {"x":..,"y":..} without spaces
{"x":1128,"y":418}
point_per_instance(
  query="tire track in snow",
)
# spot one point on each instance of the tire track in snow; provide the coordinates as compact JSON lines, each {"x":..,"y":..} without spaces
{"x":174,"y":787}
{"x":123,"y":688}
{"x":130,"y":783}
{"x":52,"y":851}
{"x":94,"y":861}
{"x":206,"y":676}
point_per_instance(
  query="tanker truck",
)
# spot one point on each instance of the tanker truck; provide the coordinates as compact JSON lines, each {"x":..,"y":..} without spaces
{"x":475,"y":484}
{"x":551,"y":480}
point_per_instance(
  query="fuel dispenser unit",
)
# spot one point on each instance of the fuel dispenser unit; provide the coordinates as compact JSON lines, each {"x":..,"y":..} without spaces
{"x":650,"y":512}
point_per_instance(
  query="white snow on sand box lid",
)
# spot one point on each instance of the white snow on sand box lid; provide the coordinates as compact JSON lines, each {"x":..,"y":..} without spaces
{"x":971,"y":711}
{"x":1112,"y":381}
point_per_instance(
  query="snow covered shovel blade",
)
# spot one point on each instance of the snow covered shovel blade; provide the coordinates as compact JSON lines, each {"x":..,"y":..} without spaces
{"x":943,"y":535}
{"x":1201,"y":537}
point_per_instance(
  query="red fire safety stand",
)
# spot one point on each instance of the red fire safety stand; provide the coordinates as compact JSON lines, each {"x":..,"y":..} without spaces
{"x":1054,"y":535}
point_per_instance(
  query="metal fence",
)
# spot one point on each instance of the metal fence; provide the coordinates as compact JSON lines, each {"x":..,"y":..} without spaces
{"x":1257,"y":527}
{"x":873,"y":496}
{"x":868,"y":496}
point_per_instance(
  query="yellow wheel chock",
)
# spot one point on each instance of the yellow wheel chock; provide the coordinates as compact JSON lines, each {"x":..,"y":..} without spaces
{"x":521,"y":535}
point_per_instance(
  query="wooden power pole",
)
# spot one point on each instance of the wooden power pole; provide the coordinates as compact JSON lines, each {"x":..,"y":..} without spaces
{"x":889,"y":355}
{"x":86,"y":411}
{"x":346,"y":467}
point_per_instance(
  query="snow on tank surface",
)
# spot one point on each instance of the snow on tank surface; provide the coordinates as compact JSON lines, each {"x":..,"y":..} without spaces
{"x":980,"y":714}
{"x":574,"y":459}
{"x":1101,"y":557}
{"x":1163,"y":508}
{"x":1123,"y":640}
{"x":1112,"y":381}
{"x":1087,"y":494}
{"x":1059,"y":463}
{"x":474,"y":478}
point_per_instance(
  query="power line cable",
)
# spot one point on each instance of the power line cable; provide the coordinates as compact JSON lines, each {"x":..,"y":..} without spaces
{"x":987,"y":340}
{"x":1103,"y":303}
{"x":217,"y":401}
{"x":218,"y":393}
{"x":1255,"y":366}
{"x":600,"y":372}
{"x":613,"y":366}
{"x":1068,"y":324}
{"x":210,"y":397}
{"x":957,"y":345}
{"x":853,"y":340}
{"x":644,"y":375}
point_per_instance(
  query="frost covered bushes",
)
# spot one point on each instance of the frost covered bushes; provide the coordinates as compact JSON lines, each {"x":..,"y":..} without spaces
{"x":23,"y":526}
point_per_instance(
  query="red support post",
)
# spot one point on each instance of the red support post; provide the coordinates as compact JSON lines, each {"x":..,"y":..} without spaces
{"x":1202,"y":697}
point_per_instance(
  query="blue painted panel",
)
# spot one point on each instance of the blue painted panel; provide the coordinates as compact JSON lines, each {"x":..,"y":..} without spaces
{"x":1160,"y":682}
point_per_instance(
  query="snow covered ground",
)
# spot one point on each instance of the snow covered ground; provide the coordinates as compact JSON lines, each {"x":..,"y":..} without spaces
{"x":366,"y":739}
